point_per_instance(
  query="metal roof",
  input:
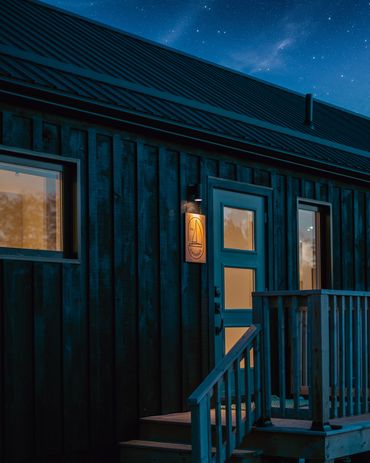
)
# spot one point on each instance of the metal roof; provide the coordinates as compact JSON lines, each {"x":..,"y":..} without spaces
{"x":46,"y":48}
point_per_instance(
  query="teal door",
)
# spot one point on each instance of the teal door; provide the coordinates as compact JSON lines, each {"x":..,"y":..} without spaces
{"x":239,"y":263}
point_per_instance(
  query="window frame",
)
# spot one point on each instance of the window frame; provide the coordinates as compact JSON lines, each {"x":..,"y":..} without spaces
{"x":71,"y":225}
{"x":325,"y":258}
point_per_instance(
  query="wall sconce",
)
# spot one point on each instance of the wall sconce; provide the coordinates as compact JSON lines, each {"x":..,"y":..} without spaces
{"x":194,"y":193}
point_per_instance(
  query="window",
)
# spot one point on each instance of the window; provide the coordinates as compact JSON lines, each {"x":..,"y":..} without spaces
{"x":314,"y":238}
{"x":38,"y":208}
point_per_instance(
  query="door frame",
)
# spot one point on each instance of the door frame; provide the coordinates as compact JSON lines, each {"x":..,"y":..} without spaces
{"x":237,"y":187}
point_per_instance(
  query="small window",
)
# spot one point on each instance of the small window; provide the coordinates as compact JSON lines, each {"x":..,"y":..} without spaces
{"x":38,"y":208}
{"x":314,"y":238}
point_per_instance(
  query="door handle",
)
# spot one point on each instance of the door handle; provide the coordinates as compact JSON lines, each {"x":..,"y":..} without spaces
{"x":218,"y":329}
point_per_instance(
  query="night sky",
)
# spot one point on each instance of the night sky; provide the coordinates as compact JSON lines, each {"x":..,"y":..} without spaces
{"x":317,"y":46}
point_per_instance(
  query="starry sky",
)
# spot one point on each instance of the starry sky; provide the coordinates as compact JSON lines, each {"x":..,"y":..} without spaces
{"x":316,"y":46}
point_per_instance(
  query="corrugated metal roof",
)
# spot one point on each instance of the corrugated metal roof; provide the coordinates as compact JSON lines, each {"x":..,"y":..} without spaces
{"x":45,"y":78}
{"x":54,"y":41}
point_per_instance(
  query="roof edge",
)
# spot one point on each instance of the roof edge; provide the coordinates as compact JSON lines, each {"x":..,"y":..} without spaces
{"x":189,"y":55}
{"x":204,"y":136}
{"x":149,"y":91}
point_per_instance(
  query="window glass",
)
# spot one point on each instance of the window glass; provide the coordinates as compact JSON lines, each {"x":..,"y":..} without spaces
{"x":239,"y":229}
{"x":309,"y":249}
{"x":30,"y":208}
{"x":239,"y":286}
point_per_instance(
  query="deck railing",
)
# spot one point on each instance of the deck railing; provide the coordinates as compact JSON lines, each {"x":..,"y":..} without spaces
{"x":228,"y":402}
{"x":316,"y":354}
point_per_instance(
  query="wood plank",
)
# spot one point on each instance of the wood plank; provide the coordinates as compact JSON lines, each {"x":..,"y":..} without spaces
{"x":19,"y":417}
{"x":279,"y":220}
{"x":347,"y":239}
{"x":359,"y":240}
{"x":101,"y":334}
{"x":148,"y":278}
{"x":48,"y":371}
{"x":261,"y":177}
{"x":334,"y":198}
{"x":17,"y":130}
{"x":208,"y":168}
{"x":74,"y":143}
{"x":190,"y":290}
{"x":51,"y":138}
{"x":125,"y":288}
{"x":244,"y":173}
{"x":349,"y":354}
{"x":365,"y":355}
{"x":227,"y":170}
{"x":292,"y":193}
{"x":170,"y":315}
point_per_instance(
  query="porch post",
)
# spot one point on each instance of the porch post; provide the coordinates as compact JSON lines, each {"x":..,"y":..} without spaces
{"x":261,"y":316}
{"x":318,"y":306}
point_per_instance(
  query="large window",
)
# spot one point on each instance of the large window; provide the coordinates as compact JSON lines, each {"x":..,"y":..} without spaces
{"x":38,"y":210}
{"x":314,"y":236}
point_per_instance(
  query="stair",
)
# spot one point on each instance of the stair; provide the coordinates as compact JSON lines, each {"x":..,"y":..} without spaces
{"x":167,"y":439}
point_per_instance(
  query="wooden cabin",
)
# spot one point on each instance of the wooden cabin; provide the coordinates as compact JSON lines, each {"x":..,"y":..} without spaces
{"x":184,"y":256}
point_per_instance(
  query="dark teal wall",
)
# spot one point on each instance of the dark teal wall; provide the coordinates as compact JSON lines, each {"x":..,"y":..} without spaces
{"x":87,"y":348}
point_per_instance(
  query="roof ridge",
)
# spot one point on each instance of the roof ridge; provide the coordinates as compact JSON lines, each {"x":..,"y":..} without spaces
{"x":154,"y":93}
{"x":191,"y":56}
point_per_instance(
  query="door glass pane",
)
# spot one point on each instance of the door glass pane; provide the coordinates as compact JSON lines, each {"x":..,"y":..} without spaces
{"x":232,"y":336}
{"x":309,"y":276}
{"x":30,"y":208}
{"x":239,"y":229}
{"x":239,"y":286}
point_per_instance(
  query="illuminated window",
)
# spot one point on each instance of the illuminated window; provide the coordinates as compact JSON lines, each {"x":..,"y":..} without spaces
{"x":314,"y":237}
{"x":32,"y":196}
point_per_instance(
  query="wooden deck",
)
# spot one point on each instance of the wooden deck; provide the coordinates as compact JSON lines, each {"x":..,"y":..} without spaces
{"x":294,"y":439}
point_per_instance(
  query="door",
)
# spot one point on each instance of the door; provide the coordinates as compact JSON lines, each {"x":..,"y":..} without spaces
{"x":239,"y":263}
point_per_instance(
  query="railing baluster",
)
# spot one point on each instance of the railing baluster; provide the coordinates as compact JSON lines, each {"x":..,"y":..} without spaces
{"x":228,"y":412}
{"x":349,"y":356}
{"x":281,"y":355}
{"x":266,"y":353}
{"x":238,"y":398}
{"x":257,"y":379}
{"x":296,"y":346}
{"x":357,"y":354}
{"x":248,"y":395}
{"x":365,"y":357}
{"x":342,"y":357}
{"x":218,"y":422}
{"x":209,"y":425}
{"x":334,"y":355}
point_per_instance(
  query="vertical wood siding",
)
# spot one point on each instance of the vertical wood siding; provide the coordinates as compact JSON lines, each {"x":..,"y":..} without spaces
{"x":86,"y":349}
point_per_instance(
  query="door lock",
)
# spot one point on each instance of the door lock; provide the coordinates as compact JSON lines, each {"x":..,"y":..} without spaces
{"x":217,"y":291}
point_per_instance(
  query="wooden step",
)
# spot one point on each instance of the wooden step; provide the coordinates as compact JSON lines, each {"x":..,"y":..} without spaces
{"x":145,"y":451}
{"x":174,"y":428}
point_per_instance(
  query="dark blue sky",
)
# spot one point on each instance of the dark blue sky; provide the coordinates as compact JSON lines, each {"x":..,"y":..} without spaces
{"x":318,"y":46}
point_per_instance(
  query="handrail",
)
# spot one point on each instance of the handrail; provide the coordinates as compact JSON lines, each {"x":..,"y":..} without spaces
{"x":228,"y":386}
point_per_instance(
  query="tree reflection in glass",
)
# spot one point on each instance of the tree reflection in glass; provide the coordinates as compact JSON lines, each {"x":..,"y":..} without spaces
{"x":30,"y":208}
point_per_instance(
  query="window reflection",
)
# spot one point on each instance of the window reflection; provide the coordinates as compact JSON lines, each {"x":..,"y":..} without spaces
{"x":238,"y":229}
{"x":30,"y":208}
{"x":309,"y":251}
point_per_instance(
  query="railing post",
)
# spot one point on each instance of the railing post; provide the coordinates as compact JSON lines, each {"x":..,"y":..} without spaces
{"x":261,"y":316}
{"x":199,"y":432}
{"x":318,"y":305}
